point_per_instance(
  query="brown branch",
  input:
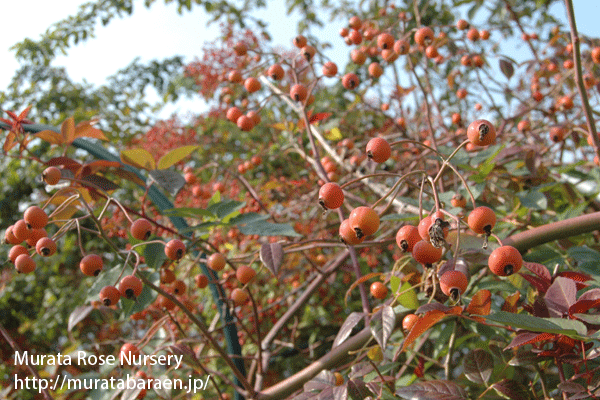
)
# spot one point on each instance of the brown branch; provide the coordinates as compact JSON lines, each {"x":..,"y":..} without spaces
{"x":557,"y":230}
{"x":579,"y":77}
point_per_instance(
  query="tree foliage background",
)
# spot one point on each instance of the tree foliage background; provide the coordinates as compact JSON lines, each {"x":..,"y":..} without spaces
{"x":252,"y":195}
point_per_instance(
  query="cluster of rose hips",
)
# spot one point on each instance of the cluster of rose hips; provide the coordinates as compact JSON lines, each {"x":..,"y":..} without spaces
{"x":427,"y":240}
{"x":298,"y":91}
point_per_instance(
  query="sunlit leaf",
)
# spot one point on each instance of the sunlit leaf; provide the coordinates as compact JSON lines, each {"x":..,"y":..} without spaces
{"x":408,"y":298}
{"x":86,"y":129}
{"x":481,"y":303}
{"x":67,"y":130}
{"x":424,"y":322}
{"x":138,"y":158}
{"x":50,"y":137}
{"x":78,"y":315}
{"x":333,"y":134}
{"x":344,"y":333}
{"x":175,"y":155}
{"x":9,"y":143}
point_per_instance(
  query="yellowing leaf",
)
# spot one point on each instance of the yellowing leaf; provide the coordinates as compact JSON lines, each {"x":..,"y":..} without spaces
{"x":9,"y":143}
{"x":67,"y":129}
{"x":280,"y":126}
{"x":334,"y":134}
{"x":138,"y":158}
{"x":86,"y":129}
{"x":50,"y":137}
{"x":175,"y":155}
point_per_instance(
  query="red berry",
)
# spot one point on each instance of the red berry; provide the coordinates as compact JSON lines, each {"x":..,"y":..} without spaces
{"x":482,"y":220}
{"x":331,"y":196}
{"x":24,"y":264}
{"x":378,"y":150}
{"x":51,"y":175}
{"x":109,"y":295}
{"x":348,"y":235}
{"x":235,"y":76}
{"x":350,"y":81}
{"x":407,"y":237}
{"x":216,"y":262}
{"x":245,"y":274}
{"x":245,"y":123}
{"x":127,"y":353}
{"x":308,"y":52}
{"x":364,"y":220}
{"x":481,"y":132}
{"x":409,"y":321}
{"x":233,"y":114}
{"x":175,"y":249}
{"x":179,"y":287}
{"x":201,"y":281}
{"x":141,"y":229}
{"x":385,"y":41}
{"x":298,"y":92}
{"x":16,"y":251}
{"x":91,"y":265}
{"x":252,"y":84}
{"x":21,"y":231}
{"x":35,"y":217}
{"x":130,"y":287}
{"x":330,"y":69}
{"x":379,"y":290}
{"x":424,"y":253}
{"x":424,"y":36}
{"x":276,"y":72}
{"x":505,"y":261}
{"x":45,"y":247}
{"x":300,"y":41}
{"x":239,"y":297}
{"x":401,"y":47}
{"x":453,"y":283}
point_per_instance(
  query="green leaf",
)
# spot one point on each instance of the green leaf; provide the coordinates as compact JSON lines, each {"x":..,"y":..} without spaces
{"x":572,"y":328}
{"x":175,"y":155}
{"x":108,"y":277}
{"x":247,"y":218}
{"x":146,"y":298}
{"x":533,"y":200}
{"x":189,"y":212}
{"x":225,"y":207}
{"x":409,"y":298}
{"x":154,"y":254}
{"x":264,"y":228}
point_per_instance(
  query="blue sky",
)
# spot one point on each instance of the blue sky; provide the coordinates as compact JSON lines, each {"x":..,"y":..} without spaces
{"x":160,"y":32}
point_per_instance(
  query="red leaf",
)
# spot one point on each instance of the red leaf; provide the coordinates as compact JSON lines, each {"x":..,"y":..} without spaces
{"x":540,"y":284}
{"x":540,"y":270}
{"x":510,"y":303}
{"x":581,"y":306}
{"x":424,"y":322}
{"x":481,"y":303}
{"x":578,"y":277}
{"x":63,"y":161}
{"x":319,"y":117}
{"x":524,"y":338}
